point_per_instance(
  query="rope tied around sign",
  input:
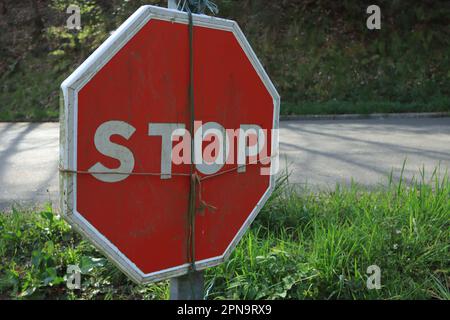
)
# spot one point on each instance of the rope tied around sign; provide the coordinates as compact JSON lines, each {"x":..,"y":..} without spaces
{"x":194,"y":179}
{"x":196,"y":182}
{"x":195,"y":188}
{"x":198,"y":6}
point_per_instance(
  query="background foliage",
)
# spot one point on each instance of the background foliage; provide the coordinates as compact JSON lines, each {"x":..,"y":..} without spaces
{"x":320,"y":54}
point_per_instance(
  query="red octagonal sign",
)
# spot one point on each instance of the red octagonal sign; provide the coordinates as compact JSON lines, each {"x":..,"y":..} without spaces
{"x":126,"y":137}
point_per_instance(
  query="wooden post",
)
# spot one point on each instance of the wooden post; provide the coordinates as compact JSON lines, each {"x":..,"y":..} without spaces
{"x":191,"y":285}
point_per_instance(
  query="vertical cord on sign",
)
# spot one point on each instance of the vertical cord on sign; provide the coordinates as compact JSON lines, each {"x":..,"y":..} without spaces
{"x":192,"y":189}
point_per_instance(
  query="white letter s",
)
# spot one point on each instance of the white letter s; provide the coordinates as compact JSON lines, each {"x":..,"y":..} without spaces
{"x":106,"y":147}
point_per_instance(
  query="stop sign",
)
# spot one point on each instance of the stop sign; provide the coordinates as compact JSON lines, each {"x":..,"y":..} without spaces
{"x":126,"y":129}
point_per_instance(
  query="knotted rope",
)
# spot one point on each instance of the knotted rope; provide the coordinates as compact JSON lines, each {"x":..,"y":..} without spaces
{"x":194,"y":177}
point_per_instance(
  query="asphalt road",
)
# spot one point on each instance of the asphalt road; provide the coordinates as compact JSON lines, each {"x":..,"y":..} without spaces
{"x":317,"y":153}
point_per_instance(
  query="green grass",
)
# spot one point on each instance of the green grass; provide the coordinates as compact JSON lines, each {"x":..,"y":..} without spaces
{"x":434,"y":104}
{"x":303,"y":245}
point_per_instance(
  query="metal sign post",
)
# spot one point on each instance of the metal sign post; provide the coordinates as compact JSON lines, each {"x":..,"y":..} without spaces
{"x":172,"y":4}
{"x":191,"y":285}
{"x":188,"y":287}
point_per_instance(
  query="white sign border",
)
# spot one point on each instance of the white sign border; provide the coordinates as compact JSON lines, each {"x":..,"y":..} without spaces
{"x":68,"y":135}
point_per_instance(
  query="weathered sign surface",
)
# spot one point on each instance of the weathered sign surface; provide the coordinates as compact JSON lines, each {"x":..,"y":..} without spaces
{"x":125,"y":143}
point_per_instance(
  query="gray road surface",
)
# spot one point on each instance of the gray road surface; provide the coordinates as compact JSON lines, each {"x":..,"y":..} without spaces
{"x":318,"y":153}
{"x":322,"y":153}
